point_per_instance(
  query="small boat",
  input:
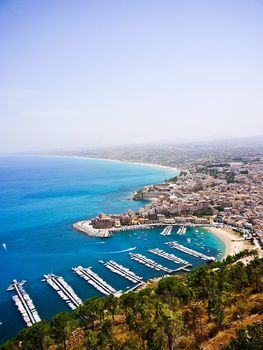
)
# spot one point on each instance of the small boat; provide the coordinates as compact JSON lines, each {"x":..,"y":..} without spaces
{"x":101,"y":261}
{"x":188,"y":240}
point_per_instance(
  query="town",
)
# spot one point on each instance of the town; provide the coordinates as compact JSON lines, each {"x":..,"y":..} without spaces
{"x":208,"y":193}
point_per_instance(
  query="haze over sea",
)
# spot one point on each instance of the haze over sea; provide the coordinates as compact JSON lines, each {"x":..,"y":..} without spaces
{"x":40,"y":197}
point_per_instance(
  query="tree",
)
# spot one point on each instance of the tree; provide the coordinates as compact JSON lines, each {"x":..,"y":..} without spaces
{"x":106,"y":338}
{"x":248,"y":338}
{"x":60,"y":326}
{"x":35,"y":336}
{"x":90,"y":340}
{"x":111,"y":305}
{"x":171,"y":323}
{"x":172,"y":290}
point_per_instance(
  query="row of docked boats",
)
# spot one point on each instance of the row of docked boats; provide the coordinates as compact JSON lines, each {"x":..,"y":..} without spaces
{"x":181,"y":230}
{"x":95,"y":280}
{"x":168,"y":256}
{"x":63,"y":289}
{"x":149,"y":262}
{"x":123,"y":271}
{"x":190,"y":251}
{"x":24,"y":303}
{"x":167,"y":231}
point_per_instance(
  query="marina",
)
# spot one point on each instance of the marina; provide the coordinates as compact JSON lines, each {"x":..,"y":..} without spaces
{"x":167,"y":231}
{"x":168,"y":256}
{"x":149,"y":263}
{"x":63,"y":289}
{"x":189,"y":251}
{"x":24,"y":303}
{"x":97,"y":282}
{"x":123,"y":271}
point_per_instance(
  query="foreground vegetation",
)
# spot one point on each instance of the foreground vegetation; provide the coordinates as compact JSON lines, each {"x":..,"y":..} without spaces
{"x":217,"y":306}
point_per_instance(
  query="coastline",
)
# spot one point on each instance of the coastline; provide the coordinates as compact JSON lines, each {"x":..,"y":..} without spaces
{"x":110,"y":160}
{"x":231,"y":239}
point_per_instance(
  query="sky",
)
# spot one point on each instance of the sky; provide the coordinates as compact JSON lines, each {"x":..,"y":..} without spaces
{"x":88,"y":73}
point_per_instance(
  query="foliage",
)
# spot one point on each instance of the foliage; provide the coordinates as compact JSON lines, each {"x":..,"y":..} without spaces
{"x":179,"y":312}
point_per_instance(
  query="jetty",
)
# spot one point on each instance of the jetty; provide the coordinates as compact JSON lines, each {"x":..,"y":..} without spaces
{"x":167,"y":231}
{"x":149,"y":263}
{"x":168,"y":256}
{"x":181,"y":230}
{"x":189,"y":251}
{"x":24,"y":303}
{"x":97,"y":282}
{"x":123,"y":271}
{"x":63,"y":289}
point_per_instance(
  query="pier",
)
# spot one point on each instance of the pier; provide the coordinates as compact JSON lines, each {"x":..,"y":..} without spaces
{"x":167,"y":231}
{"x":64,"y":290}
{"x":97,"y":282}
{"x":123,"y":271}
{"x":149,"y":263}
{"x":168,"y":256}
{"x":189,"y":251}
{"x":24,"y":303}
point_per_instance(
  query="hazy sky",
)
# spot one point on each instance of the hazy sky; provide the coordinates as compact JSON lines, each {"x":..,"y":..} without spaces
{"x":79,"y":73}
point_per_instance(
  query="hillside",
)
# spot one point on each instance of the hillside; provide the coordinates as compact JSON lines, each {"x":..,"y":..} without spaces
{"x":216,"y":306}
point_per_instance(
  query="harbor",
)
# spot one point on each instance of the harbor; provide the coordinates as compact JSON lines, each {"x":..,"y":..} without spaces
{"x":123,"y":271}
{"x":97,"y":282}
{"x":64,"y":290}
{"x":190,"y":251}
{"x":149,"y":263}
{"x":168,"y":256}
{"x":24,"y":303}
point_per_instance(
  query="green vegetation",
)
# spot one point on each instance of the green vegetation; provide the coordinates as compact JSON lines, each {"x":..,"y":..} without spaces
{"x":172,"y":179}
{"x":220,"y":304}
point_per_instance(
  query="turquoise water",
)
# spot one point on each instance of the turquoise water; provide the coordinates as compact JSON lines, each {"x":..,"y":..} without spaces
{"x":40,"y":197}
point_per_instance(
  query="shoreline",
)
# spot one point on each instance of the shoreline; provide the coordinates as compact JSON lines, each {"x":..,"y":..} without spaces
{"x":108,"y":159}
{"x":232,"y":240}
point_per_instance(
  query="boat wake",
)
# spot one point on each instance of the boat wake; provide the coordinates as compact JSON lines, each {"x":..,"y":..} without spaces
{"x":123,"y":251}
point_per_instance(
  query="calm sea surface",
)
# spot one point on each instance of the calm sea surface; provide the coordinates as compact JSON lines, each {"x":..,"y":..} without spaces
{"x":40,"y":197}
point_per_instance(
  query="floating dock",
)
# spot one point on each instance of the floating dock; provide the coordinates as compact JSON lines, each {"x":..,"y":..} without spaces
{"x":123,"y":271}
{"x":24,"y":303}
{"x":189,"y":251}
{"x":168,"y":256}
{"x":94,"y":279}
{"x":167,"y":231}
{"x":64,"y":290}
{"x":149,"y":263}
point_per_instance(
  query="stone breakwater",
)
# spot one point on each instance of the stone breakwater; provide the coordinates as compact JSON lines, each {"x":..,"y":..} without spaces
{"x":85,"y":227}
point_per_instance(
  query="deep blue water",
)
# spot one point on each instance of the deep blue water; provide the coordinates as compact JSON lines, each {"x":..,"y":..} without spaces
{"x":40,"y":197}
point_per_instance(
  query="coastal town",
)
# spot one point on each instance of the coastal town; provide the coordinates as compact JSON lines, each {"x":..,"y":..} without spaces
{"x":227,"y":194}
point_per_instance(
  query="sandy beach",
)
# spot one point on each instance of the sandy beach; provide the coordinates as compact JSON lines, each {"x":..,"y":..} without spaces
{"x":176,"y":170}
{"x":232,"y":240}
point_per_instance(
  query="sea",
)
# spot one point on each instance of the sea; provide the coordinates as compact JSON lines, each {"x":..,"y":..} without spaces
{"x":42,"y":196}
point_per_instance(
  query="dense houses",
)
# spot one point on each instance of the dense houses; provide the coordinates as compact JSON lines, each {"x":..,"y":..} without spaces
{"x":227,"y":193}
